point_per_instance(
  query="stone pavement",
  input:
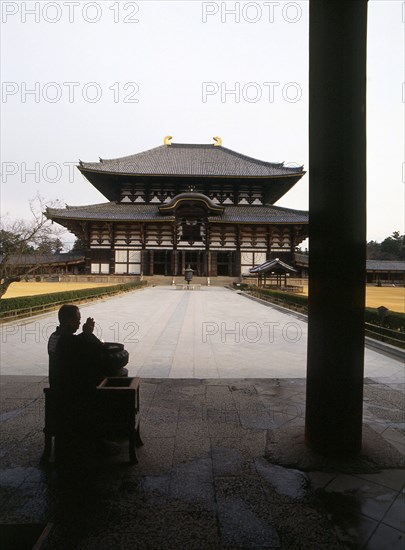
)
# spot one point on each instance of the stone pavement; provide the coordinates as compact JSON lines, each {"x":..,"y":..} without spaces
{"x":212,"y":333}
{"x":208,"y":474}
{"x":223,"y":463}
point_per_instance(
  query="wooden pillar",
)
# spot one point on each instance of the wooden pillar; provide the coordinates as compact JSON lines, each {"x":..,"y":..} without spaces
{"x":337,"y":230}
{"x":230,"y":264}
{"x":145,"y":262}
{"x":175,"y":262}
{"x":207,"y":249}
{"x":293,"y":240}
{"x":214,"y":263}
{"x":238,"y":255}
{"x":112,"y":250}
{"x":87,"y":235}
{"x":151,"y":258}
{"x":236,"y":264}
{"x":175,"y":253}
{"x":268,"y":242}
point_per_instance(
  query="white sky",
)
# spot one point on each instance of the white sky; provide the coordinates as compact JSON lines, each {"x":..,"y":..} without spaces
{"x":165,"y":61}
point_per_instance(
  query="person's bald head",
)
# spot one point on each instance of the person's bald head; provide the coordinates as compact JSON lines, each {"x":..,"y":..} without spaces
{"x":69,"y":317}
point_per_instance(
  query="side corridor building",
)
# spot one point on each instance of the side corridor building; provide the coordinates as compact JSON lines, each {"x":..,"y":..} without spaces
{"x":181,"y":204}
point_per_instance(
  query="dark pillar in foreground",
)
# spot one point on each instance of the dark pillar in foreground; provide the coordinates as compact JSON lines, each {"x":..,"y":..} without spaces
{"x":337,"y":231}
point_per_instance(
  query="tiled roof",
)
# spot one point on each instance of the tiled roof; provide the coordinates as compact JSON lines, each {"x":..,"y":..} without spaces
{"x":371,"y":265}
{"x":192,"y":197}
{"x":272,"y":264}
{"x":184,"y":159}
{"x":301,"y":259}
{"x":37,"y":259}
{"x":385,"y":265}
{"x":111,"y":211}
{"x":256,"y":214}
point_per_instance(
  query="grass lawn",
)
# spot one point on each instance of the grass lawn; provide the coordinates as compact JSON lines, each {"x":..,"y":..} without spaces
{"x":391,"y":297}
{"x":16,"y":290}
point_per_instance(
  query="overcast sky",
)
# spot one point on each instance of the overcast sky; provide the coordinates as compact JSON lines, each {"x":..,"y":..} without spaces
{"x":107,"y":79}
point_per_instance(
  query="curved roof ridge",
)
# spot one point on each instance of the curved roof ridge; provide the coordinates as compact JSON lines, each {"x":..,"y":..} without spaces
{"x":161,"y":158}
{"x":114,"y":211}
{"x":71,"y":206}
{"x":191,"y":196}
{"x":228,"y":150}
{"x":259,"y":161}
{"x":125,"y":157}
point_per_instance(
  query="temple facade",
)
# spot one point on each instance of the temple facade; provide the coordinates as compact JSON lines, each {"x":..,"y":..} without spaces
{"x":176,"y":205}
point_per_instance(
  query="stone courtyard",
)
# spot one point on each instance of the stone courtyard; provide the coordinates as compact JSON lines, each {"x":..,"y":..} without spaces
{"x":222,"y":418}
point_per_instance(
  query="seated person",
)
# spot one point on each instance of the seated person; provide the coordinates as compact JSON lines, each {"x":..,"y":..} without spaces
{"x":75,"y":369}
{"x":75,"y":361}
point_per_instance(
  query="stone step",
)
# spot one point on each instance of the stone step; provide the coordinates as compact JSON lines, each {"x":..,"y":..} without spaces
{"x":203,"y":281}
{"x":223,"y":281}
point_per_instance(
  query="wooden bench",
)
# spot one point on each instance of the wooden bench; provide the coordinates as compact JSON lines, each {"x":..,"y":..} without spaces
{"x":117,"y":412}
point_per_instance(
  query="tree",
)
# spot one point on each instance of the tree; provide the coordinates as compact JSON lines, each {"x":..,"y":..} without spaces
{"x":50,"y":245}
{"x":391,"y":248}
{"x":373,"y":250}
{"x":58,"y":246}
{"x":79,"y":245}
{"x":10,"y":243}
{"x":20,"y":238}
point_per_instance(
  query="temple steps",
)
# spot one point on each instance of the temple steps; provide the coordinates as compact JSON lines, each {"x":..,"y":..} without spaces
{"x":203,"y":281}
{"x":223,"y":281}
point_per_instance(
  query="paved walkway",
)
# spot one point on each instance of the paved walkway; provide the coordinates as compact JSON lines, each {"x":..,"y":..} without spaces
{"x":224,"y":465}
{"x":211,"y":333}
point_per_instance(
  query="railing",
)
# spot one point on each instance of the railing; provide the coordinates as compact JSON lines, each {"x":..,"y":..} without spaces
{"x":36,"y":310}
{"x":285,"y":288}
{"x":387,"y":282}
{"x":377,"y":332}
{"x":295,"y":306}
{"x":387,"y":335}
{"x":14,"y":314}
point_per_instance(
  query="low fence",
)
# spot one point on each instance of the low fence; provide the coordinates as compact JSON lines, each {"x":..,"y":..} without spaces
{"x":294,"y":301}
{"x":293,"y":281}
{"x":286,"y":288}
{"x":392,"y":336}
{"x":113,"y":279}
{"x":49,"y":304}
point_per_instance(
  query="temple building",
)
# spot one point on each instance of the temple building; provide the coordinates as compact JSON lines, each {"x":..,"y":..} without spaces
{"x":180,"y":204}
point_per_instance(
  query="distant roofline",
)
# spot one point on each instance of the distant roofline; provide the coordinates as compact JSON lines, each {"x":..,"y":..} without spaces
{"x":195,"y":146}
{"x":114,"y":211}
{"x":215,"y":176}
{"x":86,"y":166}
{"x":175,"y":164}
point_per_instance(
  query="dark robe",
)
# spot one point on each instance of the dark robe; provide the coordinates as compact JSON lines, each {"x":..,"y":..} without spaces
{"x":75,"y":369}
